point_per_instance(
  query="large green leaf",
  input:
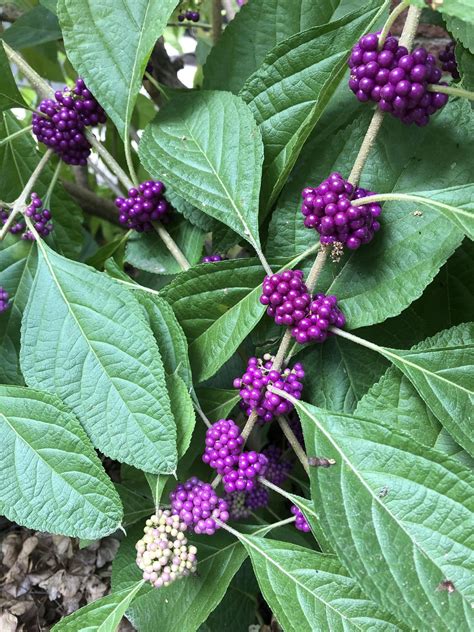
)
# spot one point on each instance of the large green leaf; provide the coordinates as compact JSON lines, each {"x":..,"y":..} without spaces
{"x":291,"y":89}
{"x":255,"y":30}
{"x":381,"y":280}
{"x":441,"y":370}
{"x":85,"y":338}
{"x":52,"y":479}
{"x":146,"y":251}
{"x":10,"y":96}
{"x":35,"y":27}
{"x":109,"y":45}
{"x":17,"y":267}
{"x":207,"y":145}
{"x":18,"y":159}
{"x":102,"y":615}
{"x":185,"y":604}
{"x":311,"y":591}
{"x":398,"y":514}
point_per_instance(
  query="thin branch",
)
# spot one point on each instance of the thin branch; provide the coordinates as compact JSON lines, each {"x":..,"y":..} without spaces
{"x":451,"y":90}
{"x":398,"y":10}
{"x":41,"y":87}
{"x":109,"y":160}
{"x":172,"y":246}
{"x":316,"y":269}
{"x":293,"y":441}
{"x":216,"y":20}
{"x":93,"y":204}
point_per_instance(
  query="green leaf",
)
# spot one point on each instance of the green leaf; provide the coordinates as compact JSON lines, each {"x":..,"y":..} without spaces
{"x":135,"y":505}
{"x":310,"y":591}
{"x":18,"y":159}
{"x":36,"y":26}
{"x":217,"y":402}
{"x":169,"y":335}
{"x":17,"y":265}
{"x":185,"y":604}
{"x":110,"y":46}
{"x":207,"y":145}
{"x":102,"y":615}
{"x":397,"y":513}
{"x":255,"y":30}
{"x":465,"y":60}
{"x":461,"y":31}
{"x":183,"y":411}
{"x":462,"y":9}
{"x":10,"y":96}
{"x":440,"y":368}
{"x":85,"y":338}
{"x":382,"y":280}
{"x":289,"y":92}
{"x":52,"y":479}
{"x":146,"y":251}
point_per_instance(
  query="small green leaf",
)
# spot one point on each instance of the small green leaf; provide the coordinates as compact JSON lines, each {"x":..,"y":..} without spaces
{"x":146,"y":251}
{"x":36,"y":26}
{"x":110,"y":45}
{"x":462,"y":9}
{"x":207,"y":145}
{"x":85,"y":338}
{"x":102,"y":615}
{"x":10,"y":96}
{"x":397,"y":513}
{"x":183,"y":411}
{"x":310,"y":591}
{"x":52,"y":479}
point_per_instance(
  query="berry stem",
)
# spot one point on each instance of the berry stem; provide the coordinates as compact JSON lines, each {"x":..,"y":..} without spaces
{"x":199,"y":411}
{"x":20,"y":132}
{"x":316,"y":269}
{"x":128,"y":158}
{"x":41,"y":87}
{"x":406,"y":39}
{"x":282,"y":350}
{"x":199,"y":25}
{"x":247,"y":429}
{"x":265,"y":529}
{"x":391,"y":19}
{"x":216,"y":20}
{"x":455,"y":92}
{"x":172,"y":246}
{"x":295,"y":444}
{"x":20,"y":203}
{"x":109,"y":160}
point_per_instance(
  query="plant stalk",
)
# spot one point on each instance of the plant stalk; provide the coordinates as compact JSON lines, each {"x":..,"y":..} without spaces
{"x":216,"y":20}
{"x":41,"y":87}
{"x":452,"y":91}
{"x":398,"y":10}
{"x":295,"y":444}
{"x":172,"y":246}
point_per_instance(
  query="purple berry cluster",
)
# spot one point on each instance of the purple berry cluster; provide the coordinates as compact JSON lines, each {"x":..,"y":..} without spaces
{"x":277,"y":469}
{"x":163,"y":553}
{"x":242,"y":476}
{"x":256,"y":498}
{"x":300,"y":523}
{"x":223,"y":445}
{"x":60,"y":123}
{"x":143,"y":206}
{"x":15,"y":228}
{"x":4,"y":300}
{"x":448,"y":60}
{"x":40,"y":216}
{"x":192,"y":16}
{"x":328,"y":209}
{"x":254,"y":391}
{"x":212,"y":259}
{"x":198,"y":506}
{"x":287,"y":297}
{"x":237,"y":504}
{"x":323,"y":313}
{"x":396,"y":79}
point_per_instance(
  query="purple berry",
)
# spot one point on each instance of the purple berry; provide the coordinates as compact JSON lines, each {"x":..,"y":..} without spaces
{"x":212,"y":258}
{"x":4,"y":300}
{"x":323,"y":312}
{"x":40,"y":217}
{"x":300,"y":523}
{"x":287,"y":297}
{"x":328,"y":209}
{"x":143,"y":206}
{"x":242,"y":476}
{"x":163,"y":554}
{"x":223,"y":445}
{"x":254,"y":391}
{"x":448,"y":60}
{"x":258,"y":497}
{"x":198,"y":506}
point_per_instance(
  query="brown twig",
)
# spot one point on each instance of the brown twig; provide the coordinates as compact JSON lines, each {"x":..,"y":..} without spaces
{"x":93,"y":204}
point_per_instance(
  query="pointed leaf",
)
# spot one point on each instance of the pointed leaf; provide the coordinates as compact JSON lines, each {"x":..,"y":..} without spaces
{"x":398,"y":515}
{"x":109,"y":46}
{"x":52,"y":479}
{"x":85,"y":338}
{"x":10,"y":96}
{"x":310,"y":591}
{"x":36,"y":26}
{"x":291,"y":89}
{"x":102,"y":615}
{"x":207,"y":145}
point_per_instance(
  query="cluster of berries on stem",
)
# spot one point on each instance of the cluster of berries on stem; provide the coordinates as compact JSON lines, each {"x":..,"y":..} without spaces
{"x":212,"y":258}
{"x":60,"y":123}
{"x":41,"y":218}
{"x":144,"y":205}
{"x":192,"y":16}
{"x":4,"y":300}
{"x":300,"y":523}
{"x":327,"y":208}
{"x":448,"y":60}
{"x":323,"y":313}
{"x":198,"y":506}
{"x":287,"y":297}
{"x":395,"y":79}
{"x":254,"y":384}
{"x":163,"y":553}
